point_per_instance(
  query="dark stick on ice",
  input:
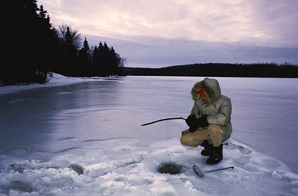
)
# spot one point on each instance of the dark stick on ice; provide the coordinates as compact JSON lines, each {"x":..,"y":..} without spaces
{"x":201,"y":173}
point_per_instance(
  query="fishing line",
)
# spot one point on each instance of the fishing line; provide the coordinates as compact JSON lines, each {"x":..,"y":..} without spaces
{"x":167,"y":143}
{"x":168,"y":166}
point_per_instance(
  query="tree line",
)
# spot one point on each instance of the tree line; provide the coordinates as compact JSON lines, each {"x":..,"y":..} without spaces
{"x":32,"y":48}
{"x":272,"y":70}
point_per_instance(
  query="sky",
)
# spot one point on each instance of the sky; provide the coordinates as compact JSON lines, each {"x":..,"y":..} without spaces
{"x":163,"y":33}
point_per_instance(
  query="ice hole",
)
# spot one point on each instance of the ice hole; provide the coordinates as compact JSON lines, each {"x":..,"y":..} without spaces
{"x":169,"y":168}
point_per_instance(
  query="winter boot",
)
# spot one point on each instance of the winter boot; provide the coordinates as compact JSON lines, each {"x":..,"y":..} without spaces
{"x":216,"y":155}
{"x":207,"y":148}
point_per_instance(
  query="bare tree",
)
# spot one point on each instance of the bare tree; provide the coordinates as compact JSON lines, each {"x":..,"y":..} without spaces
{"x":70,"y":36}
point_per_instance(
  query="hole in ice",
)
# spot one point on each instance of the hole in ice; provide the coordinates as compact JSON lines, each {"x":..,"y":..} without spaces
{"x":169,"y":168}
{"x":77,"y":168}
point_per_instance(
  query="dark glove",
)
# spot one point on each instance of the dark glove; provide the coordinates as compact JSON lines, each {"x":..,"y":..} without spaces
{"x":191,"y":120}
{"x":202,"y":121}
{"x":195,"y":123}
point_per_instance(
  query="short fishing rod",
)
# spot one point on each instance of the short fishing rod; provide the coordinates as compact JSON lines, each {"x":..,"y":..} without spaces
{"x":164,"y":119}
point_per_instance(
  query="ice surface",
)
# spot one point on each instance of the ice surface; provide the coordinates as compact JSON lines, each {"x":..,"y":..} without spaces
{"x":84,"y":137}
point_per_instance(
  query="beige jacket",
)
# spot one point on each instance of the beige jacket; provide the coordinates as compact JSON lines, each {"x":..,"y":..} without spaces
{"x":218,"y":107}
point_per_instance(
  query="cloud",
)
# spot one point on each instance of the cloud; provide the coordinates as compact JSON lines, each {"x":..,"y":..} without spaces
{"x":178,"y":31}
{"x":278,"y":20}
{"x":223,"y":20}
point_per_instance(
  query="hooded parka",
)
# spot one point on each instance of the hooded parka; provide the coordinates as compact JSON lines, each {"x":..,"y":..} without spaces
{"x":218,"y":107}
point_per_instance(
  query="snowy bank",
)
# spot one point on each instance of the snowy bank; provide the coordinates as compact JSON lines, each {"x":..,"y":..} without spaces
{"x":122,"y":167}
{"x":56,"y":80}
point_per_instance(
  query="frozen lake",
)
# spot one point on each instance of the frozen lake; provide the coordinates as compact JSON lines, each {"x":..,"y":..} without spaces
{"x":70,"y":121}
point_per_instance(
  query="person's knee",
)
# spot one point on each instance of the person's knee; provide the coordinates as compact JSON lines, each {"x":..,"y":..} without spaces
{"x":185,"y":140}
{"x":188,"y":141}
{"x":184,"y":137}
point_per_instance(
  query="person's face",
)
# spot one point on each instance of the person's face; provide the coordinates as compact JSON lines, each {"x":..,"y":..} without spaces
{"x":202,"y":94}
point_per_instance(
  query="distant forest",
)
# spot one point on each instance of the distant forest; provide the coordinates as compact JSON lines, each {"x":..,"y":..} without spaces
{"x":32,"y":48}
{"x":272,"y":70}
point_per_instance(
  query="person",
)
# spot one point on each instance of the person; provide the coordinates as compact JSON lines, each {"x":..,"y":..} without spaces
{"x":209,"y":121}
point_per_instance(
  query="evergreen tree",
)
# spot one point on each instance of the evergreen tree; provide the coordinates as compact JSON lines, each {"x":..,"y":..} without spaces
{"x":27,"y":39}
{"x":70,"y":41}
{"x":85,"y":57}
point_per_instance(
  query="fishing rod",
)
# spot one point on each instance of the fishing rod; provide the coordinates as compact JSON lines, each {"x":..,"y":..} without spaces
{"x":164,"y":119}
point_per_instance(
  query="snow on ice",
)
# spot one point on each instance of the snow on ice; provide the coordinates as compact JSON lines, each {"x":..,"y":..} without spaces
{"x":83,"y":137}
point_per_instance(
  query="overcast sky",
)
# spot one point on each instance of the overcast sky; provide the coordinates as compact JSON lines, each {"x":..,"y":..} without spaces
{"x":158,"y":33}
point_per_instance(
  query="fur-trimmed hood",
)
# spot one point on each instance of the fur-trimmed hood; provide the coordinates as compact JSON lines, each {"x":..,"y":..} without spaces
{"x":211,"y":87}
